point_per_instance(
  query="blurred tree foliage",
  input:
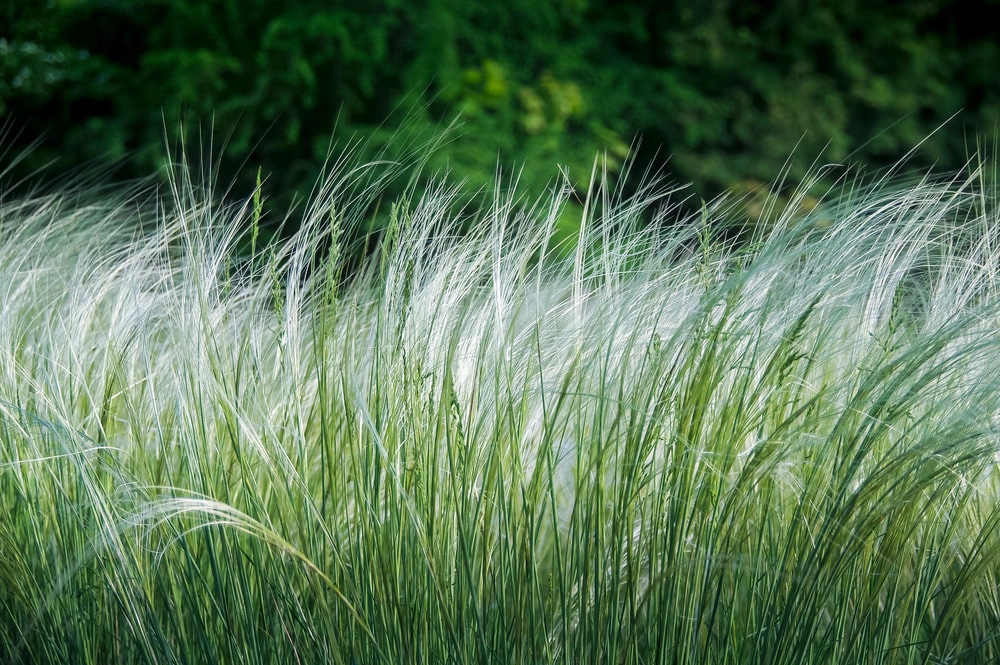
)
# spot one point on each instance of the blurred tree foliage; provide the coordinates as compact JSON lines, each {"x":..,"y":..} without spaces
{"x":726,"y":90}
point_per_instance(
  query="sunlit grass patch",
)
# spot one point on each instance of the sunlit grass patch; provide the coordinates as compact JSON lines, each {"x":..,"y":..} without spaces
{"x":656,"y":446}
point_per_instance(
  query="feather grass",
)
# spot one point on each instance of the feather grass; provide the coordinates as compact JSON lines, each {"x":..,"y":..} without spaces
{"x":477,"y":447}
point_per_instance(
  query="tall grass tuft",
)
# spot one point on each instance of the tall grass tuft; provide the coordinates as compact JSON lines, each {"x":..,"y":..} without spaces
{"x":656,"y":445}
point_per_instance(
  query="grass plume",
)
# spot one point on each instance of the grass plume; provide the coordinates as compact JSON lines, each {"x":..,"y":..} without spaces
{"x":658,"y":446}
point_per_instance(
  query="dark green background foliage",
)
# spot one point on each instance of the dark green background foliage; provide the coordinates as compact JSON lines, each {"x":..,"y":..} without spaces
{"x":726,"y":91}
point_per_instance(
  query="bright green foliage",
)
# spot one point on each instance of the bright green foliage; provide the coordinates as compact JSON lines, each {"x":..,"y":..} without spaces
{"x":650,"y":448}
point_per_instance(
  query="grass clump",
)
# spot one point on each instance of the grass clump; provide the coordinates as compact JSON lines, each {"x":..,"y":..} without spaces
{"x":654,"y":447}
